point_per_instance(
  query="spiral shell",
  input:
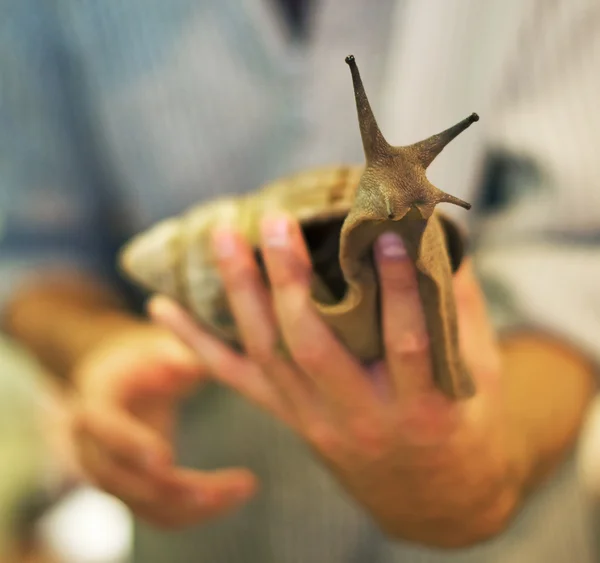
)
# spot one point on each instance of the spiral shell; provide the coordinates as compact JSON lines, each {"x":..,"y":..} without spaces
{"x":174,"y":256}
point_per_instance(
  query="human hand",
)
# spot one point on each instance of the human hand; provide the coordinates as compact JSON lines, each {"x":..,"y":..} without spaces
{"x":425,"y":466}
{"x":127,"y":391}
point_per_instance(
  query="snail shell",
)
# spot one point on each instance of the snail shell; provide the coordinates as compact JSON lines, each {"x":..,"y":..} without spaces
{"x":174,"y":257}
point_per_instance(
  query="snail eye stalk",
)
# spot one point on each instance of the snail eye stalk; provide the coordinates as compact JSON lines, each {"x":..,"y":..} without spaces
{"x":386,"y":160}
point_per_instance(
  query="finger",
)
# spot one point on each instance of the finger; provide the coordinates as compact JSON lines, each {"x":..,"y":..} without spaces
{"x":178,"y":371}
{"x":250,"y":304}
{"x":123,"y":436}
{"x":126,"y":482}
{"x":404,"y":328}
{"x":313,"y":346}
{"x":210,"y":494}
{"x":231,"y":369}
{"x":177,"y":498}
{"x":177,"y":356}
{"x":216,"y":488}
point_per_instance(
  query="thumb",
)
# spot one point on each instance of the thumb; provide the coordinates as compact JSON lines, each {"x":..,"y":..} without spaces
{"x":169,"y":368}
{"x":176,"y":323}
{"x":171,"y":316}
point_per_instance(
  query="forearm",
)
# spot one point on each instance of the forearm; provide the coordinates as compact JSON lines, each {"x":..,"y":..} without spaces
{"x":62,"y":316}
{"x":547,"y":388}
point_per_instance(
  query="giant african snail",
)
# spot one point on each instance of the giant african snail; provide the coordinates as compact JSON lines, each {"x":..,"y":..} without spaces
{"x":342,"y":210}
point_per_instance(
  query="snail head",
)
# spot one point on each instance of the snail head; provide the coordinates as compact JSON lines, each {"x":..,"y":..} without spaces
{"x":394,"y":184}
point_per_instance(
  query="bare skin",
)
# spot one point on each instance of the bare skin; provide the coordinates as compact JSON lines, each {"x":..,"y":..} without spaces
{"x":127,"y":376}
{"x":427,"y":468}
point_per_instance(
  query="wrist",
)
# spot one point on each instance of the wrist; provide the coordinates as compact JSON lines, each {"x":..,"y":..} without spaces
{"x":547,"y":387}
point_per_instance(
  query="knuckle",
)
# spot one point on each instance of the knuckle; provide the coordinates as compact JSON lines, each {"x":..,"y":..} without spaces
{"x":224,"y":364}
{"x":323,"y":438}
{"x":368,"y":436}
{"x":243,"y":280}
{"x":261,"y":351}
{"x":289,"y":272}
{"x":239,"y":268}
{"x":411,"y":343}
{"x":240,"y":274}
{"x":400,"y":277}
{"x":310,"y":356}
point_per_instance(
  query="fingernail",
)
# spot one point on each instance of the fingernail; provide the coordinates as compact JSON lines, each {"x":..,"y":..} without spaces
{"x":275,"y":231}
{"x":224,"y":243}
{"x":391,"y":246}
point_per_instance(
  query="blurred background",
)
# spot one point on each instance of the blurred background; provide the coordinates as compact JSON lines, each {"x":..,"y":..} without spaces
{"x":48,"y":512}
